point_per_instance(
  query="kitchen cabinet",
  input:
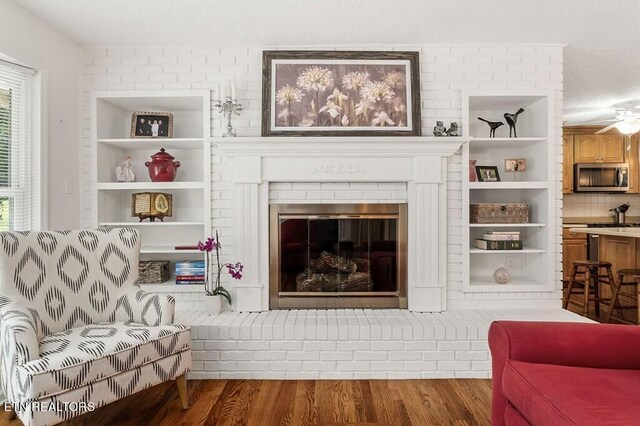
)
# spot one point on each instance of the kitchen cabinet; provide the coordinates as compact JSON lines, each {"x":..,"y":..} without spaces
{"x":574,"y":247}
{"x":604,"y":148}
{"x":567,"y":164}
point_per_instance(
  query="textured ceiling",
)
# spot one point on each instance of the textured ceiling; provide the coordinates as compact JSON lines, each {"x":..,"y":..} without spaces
{"x":602,"y":59}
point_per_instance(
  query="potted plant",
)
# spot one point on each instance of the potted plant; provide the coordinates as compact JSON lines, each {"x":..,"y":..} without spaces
{"x":215,"y":289}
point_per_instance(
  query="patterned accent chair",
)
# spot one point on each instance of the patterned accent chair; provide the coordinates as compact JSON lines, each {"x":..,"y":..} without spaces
{"x":76,"y":330}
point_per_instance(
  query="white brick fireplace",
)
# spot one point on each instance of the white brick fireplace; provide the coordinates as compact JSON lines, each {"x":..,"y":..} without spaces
{"x":417,"y":163}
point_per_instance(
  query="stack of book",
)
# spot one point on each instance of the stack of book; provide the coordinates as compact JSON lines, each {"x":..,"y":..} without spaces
{"x":499,"y":240}
{"x":190,"y":272}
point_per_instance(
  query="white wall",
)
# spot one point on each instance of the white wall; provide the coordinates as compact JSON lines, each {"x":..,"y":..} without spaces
{"x":58,"y":61}
{"x":445,"y":71}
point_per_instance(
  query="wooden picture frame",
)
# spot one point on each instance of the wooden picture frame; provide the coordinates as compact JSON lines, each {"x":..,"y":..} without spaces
{"x":487,"y":174}
{"x":514,"y":165}
{"x":340,"y":93}
{"x":146,"y":124}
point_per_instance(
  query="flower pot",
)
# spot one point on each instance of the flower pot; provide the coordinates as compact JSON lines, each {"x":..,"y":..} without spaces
{"x":213,"y":304}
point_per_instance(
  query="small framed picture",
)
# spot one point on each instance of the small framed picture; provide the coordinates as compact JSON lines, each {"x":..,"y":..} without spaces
{"x":487,"y":174}
{"x":515,"y":165}
{"x":151,"y":125}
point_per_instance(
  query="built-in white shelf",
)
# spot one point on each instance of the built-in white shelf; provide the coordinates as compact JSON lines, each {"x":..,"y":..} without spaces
{"x":146,"y":223}
{"x":152,"y":186}
{"x":172,"y":287}
{"x":153,"y":249}
{"x":475,"y":250}
{"x":516,"y":284}
{"x":483,"y":144}
{"x":154,"y":143}
{"x":111,"y":143}
{"x":532,"y":268}
{"x":507,"y":225}
{"x":508,"y":185}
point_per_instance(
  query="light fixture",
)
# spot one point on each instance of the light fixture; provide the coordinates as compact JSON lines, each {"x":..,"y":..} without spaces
{"x":628,"y":126}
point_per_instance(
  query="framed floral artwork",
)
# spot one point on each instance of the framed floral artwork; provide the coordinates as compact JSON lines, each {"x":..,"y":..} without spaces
{"x":340,"y":93}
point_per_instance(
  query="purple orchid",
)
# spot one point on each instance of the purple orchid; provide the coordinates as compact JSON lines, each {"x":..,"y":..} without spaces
{"x":235,"y":270}
{"x":209,"y":245}
{"x":212,"y":244}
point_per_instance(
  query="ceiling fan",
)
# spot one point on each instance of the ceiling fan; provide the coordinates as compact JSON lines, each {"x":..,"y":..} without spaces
{"x":627,"y":122}
{"x":626,"y":113}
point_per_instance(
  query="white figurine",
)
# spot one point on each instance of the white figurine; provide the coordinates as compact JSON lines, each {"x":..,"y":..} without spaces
{"x":124,"y":172}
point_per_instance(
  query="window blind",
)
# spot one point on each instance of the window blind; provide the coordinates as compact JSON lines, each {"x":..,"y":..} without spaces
{"x":16,"y":148}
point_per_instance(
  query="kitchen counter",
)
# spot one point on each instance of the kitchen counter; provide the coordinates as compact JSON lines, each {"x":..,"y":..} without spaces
{"x":573,"y":220}
{"x":614,"y":232}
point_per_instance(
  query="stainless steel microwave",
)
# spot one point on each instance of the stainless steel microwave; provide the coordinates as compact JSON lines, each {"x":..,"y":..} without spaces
{"x":601,"y":177}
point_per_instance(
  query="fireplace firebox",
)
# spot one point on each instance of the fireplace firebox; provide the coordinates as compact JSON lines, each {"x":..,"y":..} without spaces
{"x":338,"y":256}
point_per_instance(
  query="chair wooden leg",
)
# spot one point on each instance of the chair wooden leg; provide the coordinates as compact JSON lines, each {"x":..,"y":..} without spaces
{"x":614,"y":298}
{"x":587,"y":289}
{"x":181,"y":382}
{"x":596,"y":290}
{"x":570,"y":287}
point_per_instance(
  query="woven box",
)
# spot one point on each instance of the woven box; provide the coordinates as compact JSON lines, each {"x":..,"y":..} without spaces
{"x":499,"y":213}
{"x":154,"y":271}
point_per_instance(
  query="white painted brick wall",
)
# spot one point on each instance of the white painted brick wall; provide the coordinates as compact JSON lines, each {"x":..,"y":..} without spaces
{"x":338,"y":192}
{"x":445,"y":70}
{"x":408,"y":345}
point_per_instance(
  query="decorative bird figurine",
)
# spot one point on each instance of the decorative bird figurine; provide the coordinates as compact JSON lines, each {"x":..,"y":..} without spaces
{"x":512,"y":119}
{"x":493,"y":125}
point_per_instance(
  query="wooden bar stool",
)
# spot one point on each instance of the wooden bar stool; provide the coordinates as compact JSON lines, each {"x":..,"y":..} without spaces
{"x":588,"y":275}
{"x":633,"y":274}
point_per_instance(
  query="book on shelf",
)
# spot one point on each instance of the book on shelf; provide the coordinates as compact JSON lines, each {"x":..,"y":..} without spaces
{"x":498,"y":245}
{"x":190,"y":277}
{"x":183,"y":282}
{"x":501,"y":237}
{"x":186,"y":247}
{"x":190,"y":264}
{"x":190,"y":271}
{"x":503,"y":232}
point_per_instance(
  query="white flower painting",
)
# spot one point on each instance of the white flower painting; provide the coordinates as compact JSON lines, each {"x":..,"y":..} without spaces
{"x":308,"y":95}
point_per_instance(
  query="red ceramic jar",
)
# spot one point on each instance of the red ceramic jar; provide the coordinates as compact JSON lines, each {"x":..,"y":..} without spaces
{"x":162,"y":168}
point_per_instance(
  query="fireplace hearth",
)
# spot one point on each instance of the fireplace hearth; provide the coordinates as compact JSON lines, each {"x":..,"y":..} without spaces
{"x":338,"y":256}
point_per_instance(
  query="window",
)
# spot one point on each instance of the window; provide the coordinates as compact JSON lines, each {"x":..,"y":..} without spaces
{"x":17,"y":193}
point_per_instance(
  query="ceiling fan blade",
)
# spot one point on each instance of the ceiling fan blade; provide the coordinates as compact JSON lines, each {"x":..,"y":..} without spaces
{"x":588,"y":123}
{"x":606,"y":129}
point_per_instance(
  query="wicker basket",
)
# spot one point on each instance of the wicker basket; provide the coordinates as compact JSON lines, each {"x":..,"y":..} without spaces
{"x":154,"y":271}
{"x":499,"y":213}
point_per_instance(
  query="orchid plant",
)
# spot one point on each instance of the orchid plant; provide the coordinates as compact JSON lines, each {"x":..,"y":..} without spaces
{"x":235,"y":270}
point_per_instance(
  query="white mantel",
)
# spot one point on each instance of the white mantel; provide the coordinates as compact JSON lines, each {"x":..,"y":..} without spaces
{"x":421,"y":162}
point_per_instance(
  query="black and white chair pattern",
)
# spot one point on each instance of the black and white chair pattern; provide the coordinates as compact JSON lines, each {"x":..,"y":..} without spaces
{"x":76,"y":330}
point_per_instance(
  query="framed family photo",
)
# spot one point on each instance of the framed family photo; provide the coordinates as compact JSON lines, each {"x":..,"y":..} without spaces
{"x":487,"y":174}
{"x":515,"y":165}
{"x":151,"y":124}
{"x":340,"y":93}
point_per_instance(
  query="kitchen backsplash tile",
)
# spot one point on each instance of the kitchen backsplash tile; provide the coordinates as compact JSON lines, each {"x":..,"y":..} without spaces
{"x":587,"y":205}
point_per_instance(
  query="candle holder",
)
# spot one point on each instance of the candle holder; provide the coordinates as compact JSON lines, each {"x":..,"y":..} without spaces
{"x":228,"y":108}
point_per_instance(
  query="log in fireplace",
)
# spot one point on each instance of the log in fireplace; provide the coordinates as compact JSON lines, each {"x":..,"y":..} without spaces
{"x":338,"y":256}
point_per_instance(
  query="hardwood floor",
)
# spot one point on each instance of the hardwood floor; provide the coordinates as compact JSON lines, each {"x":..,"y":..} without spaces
{"x":302,"y":402}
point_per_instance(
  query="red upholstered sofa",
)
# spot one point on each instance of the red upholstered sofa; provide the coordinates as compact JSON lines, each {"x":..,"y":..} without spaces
{"x":551,"y":373}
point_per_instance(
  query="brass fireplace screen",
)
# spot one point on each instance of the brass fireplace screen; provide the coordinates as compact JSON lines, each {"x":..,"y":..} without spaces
{"x":338,"y":256}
